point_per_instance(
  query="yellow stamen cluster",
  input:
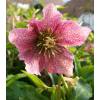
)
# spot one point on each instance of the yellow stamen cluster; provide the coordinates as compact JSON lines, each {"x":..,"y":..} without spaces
{"x":46,"y":42}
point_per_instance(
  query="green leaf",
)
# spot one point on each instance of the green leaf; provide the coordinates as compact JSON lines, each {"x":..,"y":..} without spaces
{"x":21,"y":25}
{"x":77,"y":66}
{"x":81,"y":91}
{"x":87,"y":72}
{"x":23,"y":91}
{"x":12,"y":78}
{"x":56,"y":93}
{"x":35,"y":80}
{"x":60,"y":7}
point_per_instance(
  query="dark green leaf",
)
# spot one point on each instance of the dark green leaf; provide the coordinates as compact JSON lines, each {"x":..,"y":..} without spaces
{"x":12,"y":78}
{"x":87,"y":72}
{"x":77,"y":66}
{"x":23,"y":91}
{"x":81,"y":91}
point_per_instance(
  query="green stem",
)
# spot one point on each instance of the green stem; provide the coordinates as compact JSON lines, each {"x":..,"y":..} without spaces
{"x":65,"y":85}
{"x":52,"y":79}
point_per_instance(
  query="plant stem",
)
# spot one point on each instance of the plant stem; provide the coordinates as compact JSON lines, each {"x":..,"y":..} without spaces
{"x":52,"y":79}
{"x":65,"y":85}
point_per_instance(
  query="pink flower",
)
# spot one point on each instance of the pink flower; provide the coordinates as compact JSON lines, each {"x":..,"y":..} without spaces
{"x":42,"y":44}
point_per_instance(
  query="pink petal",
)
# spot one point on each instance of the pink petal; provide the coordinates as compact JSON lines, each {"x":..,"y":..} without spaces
{"x":33,"y":66}
{"x":69,"y":68}
{"x":22,"y":38}
{"x":28,"y":54}
{"x":43,"y":62}
{"x":51,"y":12}
{"x":52,"y":17}
{"x":44,"y":25}
{"x":61,"y":66}
{"x":31,"y":59}
{"x":71,"y":34}
{"x":61,"y":63}
{"x":51,"y":20}
{"x":36,"y":25}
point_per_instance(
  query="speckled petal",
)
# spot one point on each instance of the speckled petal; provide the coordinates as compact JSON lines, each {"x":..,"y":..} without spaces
{"x":71,"y":34}
{"x":61,"y":63}
{"x":51,"y":20}
{"x":36,"y":25}
{"x":33,"y":66}
{"x":28,"y":54}
{"x":22,"y":38}
{"x":50,"y":11}
{"x":51,"y":17}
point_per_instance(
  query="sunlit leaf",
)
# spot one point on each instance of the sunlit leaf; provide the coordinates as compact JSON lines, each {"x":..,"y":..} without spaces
{"x":38,"y":82}
{"x":12,"y":78}
{"x":21,"y":25}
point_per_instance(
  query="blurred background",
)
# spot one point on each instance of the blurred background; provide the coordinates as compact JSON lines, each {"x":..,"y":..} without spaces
{"x":82,"y":9}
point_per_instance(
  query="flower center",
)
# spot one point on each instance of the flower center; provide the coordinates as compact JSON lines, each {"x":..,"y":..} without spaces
{"x":46,"y":42}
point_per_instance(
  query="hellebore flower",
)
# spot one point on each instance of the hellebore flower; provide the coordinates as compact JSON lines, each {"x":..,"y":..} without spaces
{"x":42,"y":44}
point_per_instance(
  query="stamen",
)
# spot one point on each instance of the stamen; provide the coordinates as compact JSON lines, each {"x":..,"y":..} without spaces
{"x":46,"y":43}
{"x":38,"y":44}
{"x":53,"y":53}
